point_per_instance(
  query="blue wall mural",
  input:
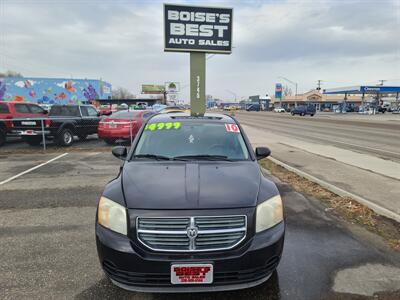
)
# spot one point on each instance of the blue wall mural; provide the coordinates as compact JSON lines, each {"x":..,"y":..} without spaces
{"x":53,"y":90}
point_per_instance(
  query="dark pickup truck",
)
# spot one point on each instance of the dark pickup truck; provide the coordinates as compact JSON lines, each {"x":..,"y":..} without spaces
{"x":62,"y":124}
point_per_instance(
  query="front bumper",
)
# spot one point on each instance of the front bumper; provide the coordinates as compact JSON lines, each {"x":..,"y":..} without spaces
{"x":135,"y":269}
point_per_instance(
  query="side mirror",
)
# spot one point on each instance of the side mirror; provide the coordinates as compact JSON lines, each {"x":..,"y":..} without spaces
{"x":120,"y":152}
{"x":262,"y":152}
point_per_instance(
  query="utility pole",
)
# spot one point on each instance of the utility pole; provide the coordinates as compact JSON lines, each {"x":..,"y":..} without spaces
{"x":319,"y":85}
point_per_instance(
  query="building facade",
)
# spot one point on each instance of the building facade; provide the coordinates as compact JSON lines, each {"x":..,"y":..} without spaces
{"x":322,"y":102}
{"x":53,"y":90}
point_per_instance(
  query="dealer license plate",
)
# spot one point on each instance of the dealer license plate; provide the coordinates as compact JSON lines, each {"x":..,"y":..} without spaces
{"x":192,"y":273}
{"x":28,"y":123}
{"x":112,"y":125}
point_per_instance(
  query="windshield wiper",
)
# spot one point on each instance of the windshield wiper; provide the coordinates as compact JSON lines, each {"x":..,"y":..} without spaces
{"x":202,"y":157}
{"x":152,"y":156}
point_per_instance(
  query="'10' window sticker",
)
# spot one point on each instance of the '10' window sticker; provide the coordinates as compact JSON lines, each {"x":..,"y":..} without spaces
{"x":232,"y":128}
{"x":163,"y":126}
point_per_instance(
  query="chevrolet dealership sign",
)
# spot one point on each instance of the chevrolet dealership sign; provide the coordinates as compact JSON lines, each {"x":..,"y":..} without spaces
{"x":197,"y":29}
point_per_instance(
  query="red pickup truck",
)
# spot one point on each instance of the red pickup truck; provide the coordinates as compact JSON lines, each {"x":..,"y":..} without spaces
{"x":12,"y":110}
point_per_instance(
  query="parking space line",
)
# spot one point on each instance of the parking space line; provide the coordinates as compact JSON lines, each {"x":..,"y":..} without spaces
{"x":32,"y":169}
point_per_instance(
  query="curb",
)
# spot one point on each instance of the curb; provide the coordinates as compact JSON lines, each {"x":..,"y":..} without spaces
{"x":338,"y":191}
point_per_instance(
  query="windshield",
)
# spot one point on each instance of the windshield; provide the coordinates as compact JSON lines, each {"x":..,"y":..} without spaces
{"x":197,"y":140}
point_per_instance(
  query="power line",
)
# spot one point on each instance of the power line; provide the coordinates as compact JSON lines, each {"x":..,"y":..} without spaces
{"x":382,"y":81}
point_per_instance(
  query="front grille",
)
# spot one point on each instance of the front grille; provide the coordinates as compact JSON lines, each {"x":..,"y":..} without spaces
{"x":185,"y":234}
{"x":177,"y":224}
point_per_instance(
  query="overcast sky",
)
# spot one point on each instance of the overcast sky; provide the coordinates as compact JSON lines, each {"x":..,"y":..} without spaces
{"x":342,"y":42}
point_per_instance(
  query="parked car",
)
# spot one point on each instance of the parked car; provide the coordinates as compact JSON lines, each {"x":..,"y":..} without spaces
{"x":303,"y":110}
{"x":46,"y":106}
{"x":396,"y":110}
{"x":279,"y":110}
{"x":381,"y":109}
{"x":105,"y":110}
{"x":63,"y":123}
{"x":122,"y":125}
{"x":230,"y":108}
{"x":10,"y":110}
{"x":253,"y":107}
{"x":158,"y":107}
{"x":190,"y":209}
{"x":173,"y":109}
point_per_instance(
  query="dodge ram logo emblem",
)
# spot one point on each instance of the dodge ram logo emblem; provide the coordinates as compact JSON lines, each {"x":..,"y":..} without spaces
{"x":192,"y":232}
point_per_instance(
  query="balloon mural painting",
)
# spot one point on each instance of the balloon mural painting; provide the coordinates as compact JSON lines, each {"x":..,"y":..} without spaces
{"x":53,"y":91}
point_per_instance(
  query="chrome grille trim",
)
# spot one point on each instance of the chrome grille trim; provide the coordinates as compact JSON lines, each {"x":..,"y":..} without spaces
{"x":211,"y":233}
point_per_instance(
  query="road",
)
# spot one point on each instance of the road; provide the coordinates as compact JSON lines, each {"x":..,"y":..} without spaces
{"x":357,"y":154}
{"x":380,"y":137}
{"x":48,"y":247}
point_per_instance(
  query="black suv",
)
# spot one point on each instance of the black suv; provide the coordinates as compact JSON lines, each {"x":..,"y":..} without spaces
{"x":303,"y":110}
{"x":190,"y":209}
{"x":62,"y":124}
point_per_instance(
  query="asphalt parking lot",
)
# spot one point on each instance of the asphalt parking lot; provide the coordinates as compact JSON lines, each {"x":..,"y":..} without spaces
{"x":48,"y":246}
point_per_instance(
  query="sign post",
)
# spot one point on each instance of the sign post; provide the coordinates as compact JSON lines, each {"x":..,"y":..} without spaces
{"x":278,"y":92}
{"x":198,"y":83}
{"x":198,"y":30}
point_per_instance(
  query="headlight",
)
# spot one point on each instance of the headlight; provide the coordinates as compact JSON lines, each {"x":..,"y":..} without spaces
{"x":269,"y":213}
{"x":112,"y":215}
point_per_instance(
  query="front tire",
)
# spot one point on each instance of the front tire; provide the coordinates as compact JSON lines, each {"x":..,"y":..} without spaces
{"x":292,"y":113}
{"x":65,"y":138}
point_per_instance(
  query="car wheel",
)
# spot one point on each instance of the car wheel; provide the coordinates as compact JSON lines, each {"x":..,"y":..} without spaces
{"x":312,"y":115}
{"x":110,"y":141}
{"x":302,"y":114}
{"x":292,"y":113}
{"x":33,"y":140}
{"x":2,"y":137}
{"x":65,"y":138}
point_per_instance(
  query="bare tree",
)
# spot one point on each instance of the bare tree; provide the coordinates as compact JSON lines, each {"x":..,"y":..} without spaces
{"x":121,"y":93}
{"x":10,"y":73}
{"x":287,"y":91}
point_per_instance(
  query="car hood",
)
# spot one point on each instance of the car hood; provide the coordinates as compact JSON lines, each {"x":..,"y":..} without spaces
{"x":165,"y":185}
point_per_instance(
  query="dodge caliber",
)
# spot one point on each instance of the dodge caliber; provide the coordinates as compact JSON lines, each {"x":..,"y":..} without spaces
{"x":190,"y":210}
